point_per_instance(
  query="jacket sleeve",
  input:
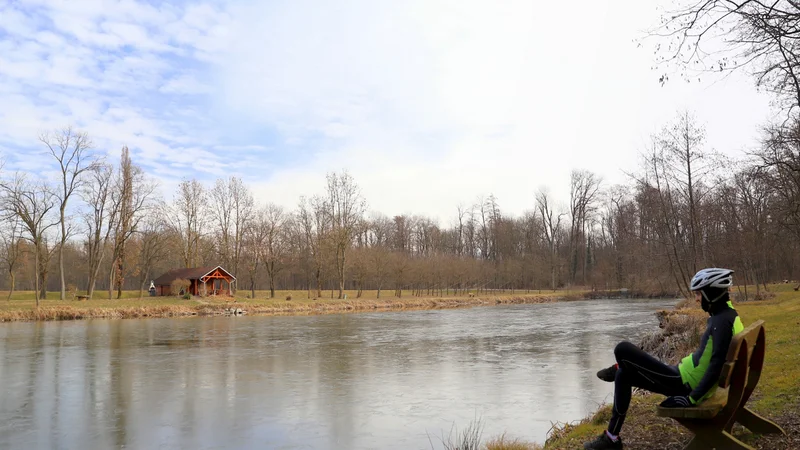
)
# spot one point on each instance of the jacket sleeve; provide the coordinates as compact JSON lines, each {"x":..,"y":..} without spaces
{"x":721,"y":335}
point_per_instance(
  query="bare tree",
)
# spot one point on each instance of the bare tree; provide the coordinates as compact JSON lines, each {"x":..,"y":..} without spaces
{"x":779,"y":160}
{"x":221,"y":208}
{"x":584,"y":191}
{"x":100,"y":219}
{"x":132,"y":197}
{"x":71,"y":149}
{"x":346,"y":209}
{"x":724,"y":36}
{"x":153,"y":248}
{"x":188,"y":218}
{"x":231,"y":207}
{"x":243,"y":206}
{"x":314,"y":223}
{"x":254,"y":238}
{"x":551,"y":227}
{"x":33,"y":204}
{"x":11,"y":235}
{"x":686,"y":166}
{"x":275,"y":241}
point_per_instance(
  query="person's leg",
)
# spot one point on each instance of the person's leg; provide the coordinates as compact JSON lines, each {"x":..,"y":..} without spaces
{"x":637,"y":368}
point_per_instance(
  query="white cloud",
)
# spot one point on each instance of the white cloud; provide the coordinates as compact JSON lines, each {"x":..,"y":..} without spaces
{"x":432,"y":103}
{"x":184,"y":84}
{"x":428,"y":103}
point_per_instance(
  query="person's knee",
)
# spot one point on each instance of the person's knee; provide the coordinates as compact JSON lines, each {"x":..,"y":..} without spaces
{"x":622,"y":349}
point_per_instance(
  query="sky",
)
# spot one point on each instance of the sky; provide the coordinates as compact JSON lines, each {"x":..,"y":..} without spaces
{"x":428,"y":104}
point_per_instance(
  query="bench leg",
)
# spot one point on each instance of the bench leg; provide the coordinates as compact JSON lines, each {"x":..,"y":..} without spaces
{"x":755,"y":423}
{"x":708,"y":436}
{"x":717,"y":439}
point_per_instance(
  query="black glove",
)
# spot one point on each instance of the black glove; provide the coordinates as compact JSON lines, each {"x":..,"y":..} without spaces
{"x":677,"y":401}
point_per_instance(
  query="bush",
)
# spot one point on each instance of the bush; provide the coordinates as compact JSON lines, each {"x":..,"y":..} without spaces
{"x":686,"y":303}
{"x":180,"y":286}
{"x":678,"y":335}
{"x":289,"y":297}
{"x":187,"y":296}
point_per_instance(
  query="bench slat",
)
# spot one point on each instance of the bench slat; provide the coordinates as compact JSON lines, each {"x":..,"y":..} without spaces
{"x":705,"y":410}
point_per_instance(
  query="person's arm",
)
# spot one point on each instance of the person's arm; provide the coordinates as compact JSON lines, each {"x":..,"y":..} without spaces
{"x":721,"y":335}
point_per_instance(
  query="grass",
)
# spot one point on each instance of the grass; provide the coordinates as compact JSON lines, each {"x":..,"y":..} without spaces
{"x":471,"y":439}
{"x":505,"y":443}
{"x":22,"y":307}
{"x":777,"y":394}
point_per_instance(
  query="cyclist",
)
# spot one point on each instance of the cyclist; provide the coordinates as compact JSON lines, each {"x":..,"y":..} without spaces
{"x":694,"y":379}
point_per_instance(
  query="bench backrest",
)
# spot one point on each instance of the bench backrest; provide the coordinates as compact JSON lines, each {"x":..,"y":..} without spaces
{"x":753,"y":338}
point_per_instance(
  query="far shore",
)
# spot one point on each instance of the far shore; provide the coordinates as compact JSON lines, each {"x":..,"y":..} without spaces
{"x":130,"y":306}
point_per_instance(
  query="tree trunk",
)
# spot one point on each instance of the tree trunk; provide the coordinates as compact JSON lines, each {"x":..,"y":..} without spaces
{"x":120,"y":268}
{"x":93,"y":279}
{"x":43,"y":286}
{"x":144,"y":281}
{"x":272,"y":284}
{"x":36,"y":252}
{"x":319,"y":283}
{"x":341,"y":274}
{"x":12,"y":281}
{"x":111,"y":282}
{"x":61,"y":258}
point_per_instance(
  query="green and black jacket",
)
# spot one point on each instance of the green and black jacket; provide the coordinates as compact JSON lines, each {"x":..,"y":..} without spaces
{"x":701,"y":369}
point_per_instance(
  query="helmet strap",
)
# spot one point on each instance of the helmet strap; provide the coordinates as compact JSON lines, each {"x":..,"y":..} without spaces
{"x":705,"y":296}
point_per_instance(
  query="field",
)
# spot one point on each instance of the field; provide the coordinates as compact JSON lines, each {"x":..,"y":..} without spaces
{"x":21,"y":306}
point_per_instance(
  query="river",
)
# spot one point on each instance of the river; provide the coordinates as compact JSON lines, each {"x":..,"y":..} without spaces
{"x":387,"y":380}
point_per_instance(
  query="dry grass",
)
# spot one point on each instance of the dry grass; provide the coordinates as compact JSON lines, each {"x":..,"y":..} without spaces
{"x":22,"y":306}
{"x":505,"y":443}
{"x":678,"y":334}
{"x":468,"y":439}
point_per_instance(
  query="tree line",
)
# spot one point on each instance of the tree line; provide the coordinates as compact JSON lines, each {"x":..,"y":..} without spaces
{"x":104,"y":225}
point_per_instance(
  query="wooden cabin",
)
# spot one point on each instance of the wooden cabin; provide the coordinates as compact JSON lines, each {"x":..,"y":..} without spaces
{"x":213,"y":280}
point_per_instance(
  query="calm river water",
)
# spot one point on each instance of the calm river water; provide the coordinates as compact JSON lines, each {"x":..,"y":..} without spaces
{"x":390,"y":380}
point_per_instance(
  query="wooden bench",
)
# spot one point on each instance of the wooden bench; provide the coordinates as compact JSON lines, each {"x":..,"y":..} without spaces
{"x":712,"y":420}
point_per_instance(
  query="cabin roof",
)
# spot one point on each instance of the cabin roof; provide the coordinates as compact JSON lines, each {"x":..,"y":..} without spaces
{"x":191,"y":273}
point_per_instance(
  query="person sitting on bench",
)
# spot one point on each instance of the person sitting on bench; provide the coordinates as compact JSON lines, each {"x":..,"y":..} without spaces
{"x":690,"y":382}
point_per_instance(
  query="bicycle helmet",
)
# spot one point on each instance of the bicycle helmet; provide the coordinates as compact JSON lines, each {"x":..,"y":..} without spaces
{"x":712,"y":282}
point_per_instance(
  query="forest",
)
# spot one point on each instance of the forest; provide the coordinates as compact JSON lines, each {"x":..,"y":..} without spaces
{"x":105,"y":226}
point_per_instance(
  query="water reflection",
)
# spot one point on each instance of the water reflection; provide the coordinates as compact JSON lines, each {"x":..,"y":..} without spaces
{"x":383,"y":380}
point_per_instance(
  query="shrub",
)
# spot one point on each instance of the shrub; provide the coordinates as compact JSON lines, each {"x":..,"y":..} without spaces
{"x":180,"y":286}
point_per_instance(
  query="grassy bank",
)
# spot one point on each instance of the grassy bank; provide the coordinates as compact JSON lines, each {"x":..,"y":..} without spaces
{"x":21,"y":307}
{"x":777,"y":395}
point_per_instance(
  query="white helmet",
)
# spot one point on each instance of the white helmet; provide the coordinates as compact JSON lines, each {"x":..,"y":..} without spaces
{"x":712,"y":277}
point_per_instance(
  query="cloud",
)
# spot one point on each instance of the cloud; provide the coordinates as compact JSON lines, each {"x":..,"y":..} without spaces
{"x":434,"y":103}
{"x":428,"y":103}
{"x":116,"y":69}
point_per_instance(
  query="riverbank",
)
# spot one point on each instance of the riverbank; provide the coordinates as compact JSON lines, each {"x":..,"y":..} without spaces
{"x":777,"y":395}
{"x":23,"y":308}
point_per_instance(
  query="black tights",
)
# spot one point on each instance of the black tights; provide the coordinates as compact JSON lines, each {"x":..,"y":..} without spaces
{"x":640,"y":369}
